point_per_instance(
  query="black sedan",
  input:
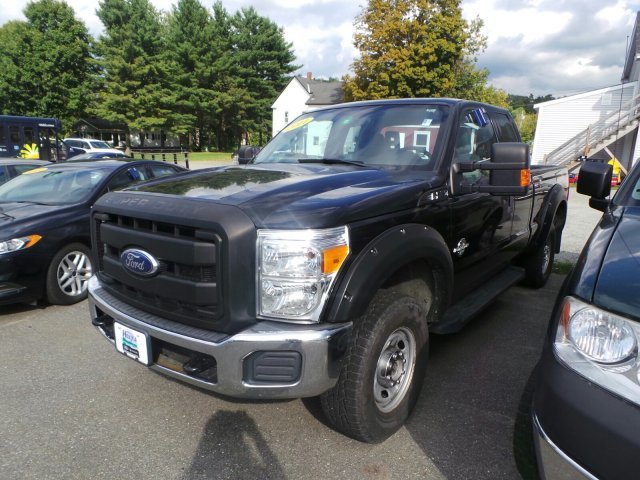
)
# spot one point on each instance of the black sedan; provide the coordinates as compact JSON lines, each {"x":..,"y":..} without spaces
{"x":12,"y":167}
{"x":44,"y":226}
{"x":586,"y":406}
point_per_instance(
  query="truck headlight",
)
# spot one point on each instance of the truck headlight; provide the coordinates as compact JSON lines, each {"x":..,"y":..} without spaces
{"x":296,"y":269}
{"x":601,"y":346}
{"x":19,"y":243}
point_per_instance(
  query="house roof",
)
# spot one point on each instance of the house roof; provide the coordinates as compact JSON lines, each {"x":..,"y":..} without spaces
{"x":322,"y":92}
{"x":100,"y":124}
{"x":599,"y":91}
{"x":634,"y":50}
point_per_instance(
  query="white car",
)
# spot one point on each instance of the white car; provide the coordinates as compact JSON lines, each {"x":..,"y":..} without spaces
{"x":88,"y":145}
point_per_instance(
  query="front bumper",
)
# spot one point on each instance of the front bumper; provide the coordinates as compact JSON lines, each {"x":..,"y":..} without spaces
{"x":553,"y":463}
{"x":319,"y":350}
{"x":580,"y":429}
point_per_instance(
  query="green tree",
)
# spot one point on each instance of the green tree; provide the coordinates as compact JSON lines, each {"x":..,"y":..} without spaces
{"x":46,"y":65}
{"x":263,"y":62}
{"x":418,"y":48}
{"x":135,"y":68}
{"x":192,"y":49}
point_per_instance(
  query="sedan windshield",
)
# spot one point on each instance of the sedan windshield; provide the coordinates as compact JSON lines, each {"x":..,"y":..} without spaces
{"x":405,"y":135}
{"x":52,"y":186}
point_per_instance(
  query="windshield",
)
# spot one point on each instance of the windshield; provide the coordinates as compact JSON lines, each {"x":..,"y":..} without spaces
{"x":379,"y":136}
{"x":51,"y":186}
{"x":99,"y":145}
{"x":629,"y":194}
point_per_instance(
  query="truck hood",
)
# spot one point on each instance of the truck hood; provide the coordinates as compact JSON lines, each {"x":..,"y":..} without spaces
{"x":619,"y":280}
{"x":303,"y":196}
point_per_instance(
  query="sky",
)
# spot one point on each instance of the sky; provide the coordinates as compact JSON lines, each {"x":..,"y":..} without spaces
{"x":557,"y":47}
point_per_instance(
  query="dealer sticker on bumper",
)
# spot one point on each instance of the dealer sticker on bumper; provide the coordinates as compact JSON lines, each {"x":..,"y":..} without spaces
{"x":132,"y":343}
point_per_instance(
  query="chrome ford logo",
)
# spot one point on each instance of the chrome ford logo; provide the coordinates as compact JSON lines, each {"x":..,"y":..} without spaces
{"x":139,"y":262}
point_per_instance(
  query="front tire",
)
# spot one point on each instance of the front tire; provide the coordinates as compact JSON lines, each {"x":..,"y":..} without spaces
{"x":383,"y":369}
{"x":539,"y":266}
{"x":68,"y":275}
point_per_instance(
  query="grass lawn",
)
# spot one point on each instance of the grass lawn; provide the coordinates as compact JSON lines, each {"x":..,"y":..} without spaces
{"x":195,"y":156}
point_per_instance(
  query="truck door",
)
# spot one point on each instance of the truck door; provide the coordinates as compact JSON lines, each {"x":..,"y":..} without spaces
{"x":521,"y":206}
{"x":480,"y":222}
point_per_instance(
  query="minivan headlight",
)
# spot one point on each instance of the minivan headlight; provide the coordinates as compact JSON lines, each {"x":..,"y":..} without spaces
{"x":296,"y":269}
{"x":601,"y":346}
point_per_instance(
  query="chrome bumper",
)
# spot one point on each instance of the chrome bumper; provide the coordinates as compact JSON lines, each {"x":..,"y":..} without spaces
{"x":321,"y":348}
{"x":553,"y":463}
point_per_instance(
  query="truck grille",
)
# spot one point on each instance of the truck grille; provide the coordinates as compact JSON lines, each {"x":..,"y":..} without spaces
{"x":185,"y":289}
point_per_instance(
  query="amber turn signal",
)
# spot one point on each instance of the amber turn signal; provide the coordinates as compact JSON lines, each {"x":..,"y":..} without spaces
{"x":525,"y":177}
{"x":332,"y":258}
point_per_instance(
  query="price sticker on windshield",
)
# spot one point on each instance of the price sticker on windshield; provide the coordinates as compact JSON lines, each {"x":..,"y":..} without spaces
{"x":35,"y":170}
{"x":298,"y":124}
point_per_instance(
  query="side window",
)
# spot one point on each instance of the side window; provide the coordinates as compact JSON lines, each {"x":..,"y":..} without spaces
{"x":85,"y":145}
{"x":4,"y":175}
{"x":158,"y":171}
{"x":474,"y":139}
{"x":506,"y":130}
{"x":128,"y":177}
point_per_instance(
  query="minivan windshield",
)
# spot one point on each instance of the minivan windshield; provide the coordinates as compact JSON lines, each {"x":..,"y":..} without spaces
{"x":629,"y":194}
{"x":383,"y":136}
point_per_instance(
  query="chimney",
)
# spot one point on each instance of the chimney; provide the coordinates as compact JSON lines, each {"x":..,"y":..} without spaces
{"x":309,"y":76}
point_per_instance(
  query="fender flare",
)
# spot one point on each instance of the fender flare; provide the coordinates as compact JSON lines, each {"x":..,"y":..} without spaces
{"x":546,"y":217}
{"x":390,"y":251}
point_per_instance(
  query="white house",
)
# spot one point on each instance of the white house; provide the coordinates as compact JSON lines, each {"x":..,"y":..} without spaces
{"x":301,"y":95}
{"x":601,"y":123}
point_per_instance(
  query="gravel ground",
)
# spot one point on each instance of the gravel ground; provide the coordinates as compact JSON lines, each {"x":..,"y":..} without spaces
{"x":581,"y":220}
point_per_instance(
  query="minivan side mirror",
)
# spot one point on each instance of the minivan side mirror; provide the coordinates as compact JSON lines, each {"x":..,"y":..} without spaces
{"x":594,"y":180}
{"x":510,"y":171}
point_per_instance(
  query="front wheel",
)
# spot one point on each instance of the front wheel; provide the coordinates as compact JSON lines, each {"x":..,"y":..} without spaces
{"x":68,"y":275}
{"x":383,"y":369}
{"x":539,"y":265}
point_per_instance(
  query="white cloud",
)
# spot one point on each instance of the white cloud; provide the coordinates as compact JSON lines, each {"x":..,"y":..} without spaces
{"x":537,"y":46}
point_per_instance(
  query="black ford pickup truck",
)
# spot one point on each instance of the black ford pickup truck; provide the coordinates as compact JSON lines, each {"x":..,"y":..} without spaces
{"x":322,"y":266}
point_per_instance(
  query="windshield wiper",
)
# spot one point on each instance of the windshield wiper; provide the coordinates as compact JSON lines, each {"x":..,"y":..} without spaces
{"x":332,"y":161}
{"x":29,"y":202}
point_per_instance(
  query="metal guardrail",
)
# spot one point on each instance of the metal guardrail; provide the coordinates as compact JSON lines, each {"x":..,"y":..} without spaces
{"x":163,"y":156}
{"x":594,"y":134}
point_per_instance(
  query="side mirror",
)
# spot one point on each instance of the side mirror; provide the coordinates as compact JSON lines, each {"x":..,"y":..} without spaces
{"x":509,"y":168}
{"x":246,"y":154}
{"x":594,"y":180}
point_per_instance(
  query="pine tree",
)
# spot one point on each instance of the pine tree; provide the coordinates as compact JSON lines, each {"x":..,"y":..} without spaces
{"x":135,"y":67}
{"x":263,"y":62}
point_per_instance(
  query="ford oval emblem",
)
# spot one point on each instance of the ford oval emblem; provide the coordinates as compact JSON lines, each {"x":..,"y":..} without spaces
{"x":139,"y":262}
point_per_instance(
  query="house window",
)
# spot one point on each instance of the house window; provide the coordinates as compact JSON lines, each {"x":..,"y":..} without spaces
{"x":316,"y":140}
{"x":286,"y":117}
{"x":606,"y":99}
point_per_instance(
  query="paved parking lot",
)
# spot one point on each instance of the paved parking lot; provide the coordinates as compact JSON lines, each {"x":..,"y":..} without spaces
{"x":73,"y":408}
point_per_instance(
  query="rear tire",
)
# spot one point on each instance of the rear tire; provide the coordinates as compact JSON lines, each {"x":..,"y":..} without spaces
{"x":383,"y":369}
{"x":540,"y":264}
{"x":68,"y":275}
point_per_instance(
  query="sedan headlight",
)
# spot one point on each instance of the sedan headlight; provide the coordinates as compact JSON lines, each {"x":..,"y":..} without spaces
{"x":19,"y":243}
{"x":601,"y":346}
{"x":296,"y":269}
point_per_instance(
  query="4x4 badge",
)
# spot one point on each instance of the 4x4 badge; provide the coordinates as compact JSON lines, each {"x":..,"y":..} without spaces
{"x":461,"y":247}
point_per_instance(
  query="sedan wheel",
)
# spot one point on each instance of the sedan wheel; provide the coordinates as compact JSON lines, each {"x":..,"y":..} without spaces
{"x":68,"y":275}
